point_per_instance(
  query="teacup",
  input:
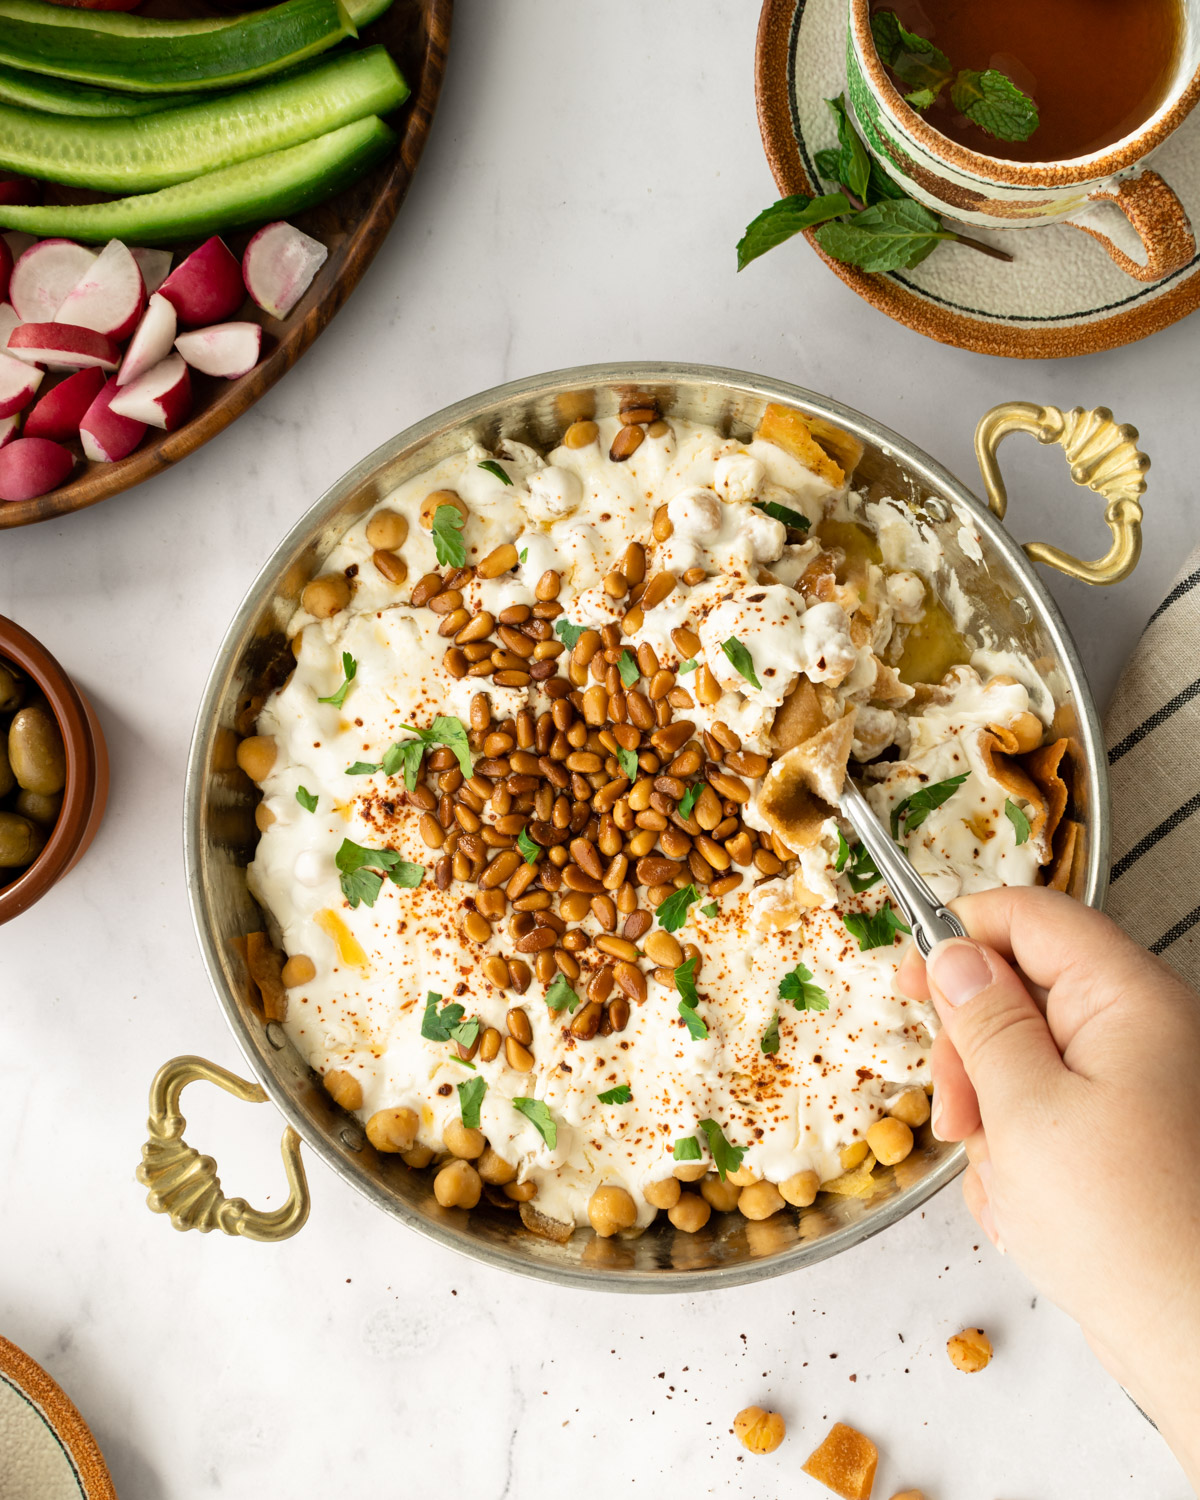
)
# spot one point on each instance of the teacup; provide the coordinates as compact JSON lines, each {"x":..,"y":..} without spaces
{"x":1155,"y":237}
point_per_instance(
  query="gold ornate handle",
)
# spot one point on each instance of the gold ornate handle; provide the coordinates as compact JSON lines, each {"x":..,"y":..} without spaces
{"x":1104,"y":457}
{"x":185,"y":1184}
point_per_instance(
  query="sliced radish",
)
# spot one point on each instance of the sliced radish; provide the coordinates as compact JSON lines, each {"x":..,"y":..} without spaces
{"x":20,"y":190}
{"x":106,"y":435}
{"x":63,"y":346}
{"x":18,"y":382}
{"x":6,"y":265}
{"x":31,"y":466}
{"x":9,"y":321}
{"x":9,"y":427}
{"x":44,"y":275}
{"x":207,"y":287}
{"x":228,"y":349}
{"x":162,"y":397}
{"x":151,"y":342}
{"x":60,"y":411}
{"x":279,"y":265}
{"x":109,"y":296}
{"x":154,"y":265}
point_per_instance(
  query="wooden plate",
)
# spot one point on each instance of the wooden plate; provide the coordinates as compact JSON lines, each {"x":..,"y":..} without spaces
{"x":352,"y":225}
{"x":46,"y":1449}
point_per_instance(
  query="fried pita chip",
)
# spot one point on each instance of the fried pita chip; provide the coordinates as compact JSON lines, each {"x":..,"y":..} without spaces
{"x":818,"y":583}
{"x":858,"y":1183}
{"x":549,"y":1229}
{"x":788,"y":430}
{"x":1021,"y":736}
{"x":1066,"y":841}
{"x":887,"y":687}
{"x":845,"y":1463}
{"x":1045,"y":767}
{"x":787,"y":908}
{"x":797,"y":718}
{"x":266,"y":969}
{"x":996,"y":749}
{"x":803,"y":786}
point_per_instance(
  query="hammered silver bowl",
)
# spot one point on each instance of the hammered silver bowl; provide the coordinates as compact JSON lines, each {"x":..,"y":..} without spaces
{"x":1012,"y":608}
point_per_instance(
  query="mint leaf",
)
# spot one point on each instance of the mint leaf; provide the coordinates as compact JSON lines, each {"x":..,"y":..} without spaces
{"x":685,"y":667}
{"x":349,"y":670}
{"x":688,"y":800}
{"x":830,"y":165}
{"x":770,"y":1037}
{"x":913,"y":811}
{"x":878,"y":931}
{"x":672,"y":913}
{"x":537,"y":1113}
{"x":993,"y":102}
{"x":628,"y":761}
{"x":567,"y":633}
{"x":741,"y":660}
{"x":628,"y":668}
{"x":783,"y":513}
{"x":306,"y":799}
{"x":711,"y":909}
{"x":726,"y":1158}
{"x":798,"y":987}
{"x":448,"y":544}
{"x":921,"y":98}
{"x":913,"y":59}
{"x":560,"y":995}
{"x":435,"y":1025}
{"x":1014,"y":815}
{"x":622,"y":1094}
{"x":788,"y":217}
{"x":687,"y":1148}
{"x":530,"y":852}
{"x":854,"y":159}
{"x":890,"y":236}
{"x":470,"y":1097}
{"x":493,"y":467}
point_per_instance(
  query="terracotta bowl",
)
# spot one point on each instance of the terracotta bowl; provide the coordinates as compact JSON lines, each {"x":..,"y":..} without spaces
{"x":86,"y":790}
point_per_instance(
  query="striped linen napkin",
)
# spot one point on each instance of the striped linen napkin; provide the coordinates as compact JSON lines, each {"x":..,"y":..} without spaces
{"x":1153,"y":734}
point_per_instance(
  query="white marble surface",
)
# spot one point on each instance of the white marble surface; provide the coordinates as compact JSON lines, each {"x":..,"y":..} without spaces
{"x":588,"y":176}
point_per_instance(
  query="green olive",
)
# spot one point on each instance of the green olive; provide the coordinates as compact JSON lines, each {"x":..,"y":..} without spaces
{"x":40,"y":807}
{"x":7,"y":779}
{"x":11,"y":689}
{"x":20,"y":841}
{"x":35,"y":748}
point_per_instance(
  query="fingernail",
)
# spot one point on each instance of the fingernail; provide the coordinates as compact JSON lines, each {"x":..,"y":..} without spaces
{"x":987,"y":1216}
{"x":936,"y":1113}
{"x":958,"y":970}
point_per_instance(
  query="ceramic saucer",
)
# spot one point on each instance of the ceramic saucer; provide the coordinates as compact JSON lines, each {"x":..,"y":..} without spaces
{"x":1061,"y":295}
{"x":46,"y":1449}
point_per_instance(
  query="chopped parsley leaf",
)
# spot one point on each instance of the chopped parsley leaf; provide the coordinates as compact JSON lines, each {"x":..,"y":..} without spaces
{"x":567,"y":633}
{"x":770,"y":1037}
{"x":349,"y":670}
{"x":448,"y":545}
{"x":530,"y":852}
{"x":791,"y":518}
{"x":687,"y":1148}
{"x":628,"y":761}
{"x":493,"y":467}
{"x":1014,"y":815}
{"x":913,"y":811}
{"x":726,"y":1158}
{"x":672,"y":913}
{"x":685,"y":667}
{"x":688,"y":800}
{"x":622,"y":1094}
{"x":537,"y":1113}
{"x":797,"y":986}
{"x":360,"y":868}
{"x":560,"y":995}
{"x":878,"y":931}
{"x":306,"y":799}
{"x":741,"y":659}
{"x":470,"y":1097}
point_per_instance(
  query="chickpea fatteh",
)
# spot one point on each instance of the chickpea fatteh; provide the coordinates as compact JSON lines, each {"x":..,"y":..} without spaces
{"x":560,"y":904}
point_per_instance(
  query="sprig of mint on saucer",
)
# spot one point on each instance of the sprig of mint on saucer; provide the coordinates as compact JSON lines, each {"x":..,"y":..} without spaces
{"x":989,"y":98}
{"x":871,"y":223}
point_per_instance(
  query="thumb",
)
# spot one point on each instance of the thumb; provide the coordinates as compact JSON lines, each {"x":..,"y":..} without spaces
{"x":995,"y":1026}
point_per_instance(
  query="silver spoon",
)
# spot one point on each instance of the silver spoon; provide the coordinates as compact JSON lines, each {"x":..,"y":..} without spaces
{"x":930,"y":921}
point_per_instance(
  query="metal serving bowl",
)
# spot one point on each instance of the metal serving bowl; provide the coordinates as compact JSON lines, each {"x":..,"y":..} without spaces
{"x":1012,"y":609}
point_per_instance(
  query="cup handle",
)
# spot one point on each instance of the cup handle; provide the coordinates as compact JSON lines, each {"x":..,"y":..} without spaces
{"x":185,"y":1184}
{"x":1158,"y":219}
{"x":1104,"y":457}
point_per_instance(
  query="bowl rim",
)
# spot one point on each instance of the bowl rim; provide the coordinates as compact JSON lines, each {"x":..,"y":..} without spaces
{"x":931,"y":474}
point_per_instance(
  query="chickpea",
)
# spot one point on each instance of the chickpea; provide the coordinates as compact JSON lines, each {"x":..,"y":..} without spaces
{"x":691,"y":1171}
{"x":299,"y":969}
{"x":758,"y":1430}
{"x":970,"y":1351}
{"x":690,"y":1214}
{"x":344,"y":1088}
{"x":890,"y":1139}
{"x":912,"y":1106}
{"x":520,"y":1192}
{"x":457,"y":1185}
{"x":662,"y":1194}
{"x":387,"y":530}
{"x":256,"y":755}
{"x":393,"y":1130}
{"x":263,"y":817}
{"x":326,"y":596}
{"x":463,"y":1141}
{"x":723,"y":1196}
{"x":436,"y":498}
{"x":910,"y":1495}
{"x":611,"y":1209}
{"x":800,"y":1190}
{"x":853,"y":1155}
{"x":743,"y":1177}
{"x":417,"y":1157}
{"x":760,"y":1200}
{"x":492,"y":1167}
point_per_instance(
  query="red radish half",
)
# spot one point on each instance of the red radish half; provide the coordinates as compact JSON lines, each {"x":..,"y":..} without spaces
{"x":6,"y":265}
{"x":9,"y":427}
{"x":18,"y":382}
{"x":228,"y":349}
{"x":20,"y":190}
{"x":31,"y":466}
{"x":106,"y":435}
{"x":279,"y":265}
{"x":152,"y":340}
{"x":162,"y":397}
{"x":207,"y":287}
{"x":60,"y":411}
{"x":109,"y":296}
{"x":154,"y":265}
{"x":44,"y":275}
{"x":62,"y":346}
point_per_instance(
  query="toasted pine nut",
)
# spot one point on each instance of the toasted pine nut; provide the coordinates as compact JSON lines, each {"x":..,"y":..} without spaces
{"x":501,"y":559}
{"x":626,"y":443}
{"x":517,"y":1055}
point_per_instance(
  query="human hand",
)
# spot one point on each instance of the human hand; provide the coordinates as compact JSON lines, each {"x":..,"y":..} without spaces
{"x":1068,"y":1064}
